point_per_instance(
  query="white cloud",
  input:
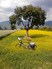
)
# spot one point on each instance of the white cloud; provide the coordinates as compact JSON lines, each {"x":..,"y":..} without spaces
{"x":49,"y":15}
{"x":13,"y":3}
{"x":5,"y":3}
{"x":7,"y":7}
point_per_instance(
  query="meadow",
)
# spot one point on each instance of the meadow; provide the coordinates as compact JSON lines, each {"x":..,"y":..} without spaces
{"x":15,"y":57}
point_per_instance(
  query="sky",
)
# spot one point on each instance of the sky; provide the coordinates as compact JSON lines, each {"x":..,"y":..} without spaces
{"x":7,"y":7}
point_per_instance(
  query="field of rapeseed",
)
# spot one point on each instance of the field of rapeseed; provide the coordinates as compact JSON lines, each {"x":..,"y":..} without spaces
{"x":15,"y":57}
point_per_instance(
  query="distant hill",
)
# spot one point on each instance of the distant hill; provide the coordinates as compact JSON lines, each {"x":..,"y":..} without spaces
{"x":7,"y":24}
{"x":48,"y":23}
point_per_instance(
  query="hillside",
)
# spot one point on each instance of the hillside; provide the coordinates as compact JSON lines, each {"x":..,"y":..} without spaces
{"x":7,"y":24}
{"x":13,"y":56}
{"x":48,"y":23}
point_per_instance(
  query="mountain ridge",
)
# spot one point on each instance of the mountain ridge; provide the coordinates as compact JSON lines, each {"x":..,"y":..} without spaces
{"x":7,"y":24}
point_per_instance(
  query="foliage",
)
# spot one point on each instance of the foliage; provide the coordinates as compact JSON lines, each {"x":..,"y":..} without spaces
{"x":15,"y":57}
{"x":13,"y":22}
{"x":46,"y":28}
{"x":34,"y":16}
{"x":5,"y":28}
{"x":1,"y":28}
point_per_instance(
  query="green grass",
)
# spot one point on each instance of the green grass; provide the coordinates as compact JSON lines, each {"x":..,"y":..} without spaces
{"x":15,"y":57}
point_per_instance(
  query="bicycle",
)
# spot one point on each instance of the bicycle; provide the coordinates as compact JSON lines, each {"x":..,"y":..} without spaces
{"x":31,"y":45}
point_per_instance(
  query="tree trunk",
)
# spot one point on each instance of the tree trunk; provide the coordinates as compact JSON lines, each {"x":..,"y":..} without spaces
{"x":26,"y":33}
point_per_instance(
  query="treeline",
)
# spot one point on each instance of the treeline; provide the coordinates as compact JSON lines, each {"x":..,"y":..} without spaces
{"x":40,"y":28}
{"x":46,"y":28}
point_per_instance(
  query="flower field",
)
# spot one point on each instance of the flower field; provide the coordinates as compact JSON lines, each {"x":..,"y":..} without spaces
{"x":15,"y":57}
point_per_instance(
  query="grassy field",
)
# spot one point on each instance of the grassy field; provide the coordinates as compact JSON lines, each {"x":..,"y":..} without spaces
{"x":15,"y":57}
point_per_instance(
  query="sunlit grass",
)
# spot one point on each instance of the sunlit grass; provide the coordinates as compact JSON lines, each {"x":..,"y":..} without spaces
{"x":15,"y":57}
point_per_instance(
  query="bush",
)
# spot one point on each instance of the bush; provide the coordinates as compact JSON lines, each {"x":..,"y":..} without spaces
{"x":46,"y":28}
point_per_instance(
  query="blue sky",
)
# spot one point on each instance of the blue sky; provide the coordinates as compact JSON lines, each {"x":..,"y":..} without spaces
{"x":7,"y":7}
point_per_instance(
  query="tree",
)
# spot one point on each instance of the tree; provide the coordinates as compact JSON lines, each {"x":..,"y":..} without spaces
{"x":5,"y":28}
{"x":33,"y":16}
{"x":13,"y":21}
{"x":1,"y":28}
